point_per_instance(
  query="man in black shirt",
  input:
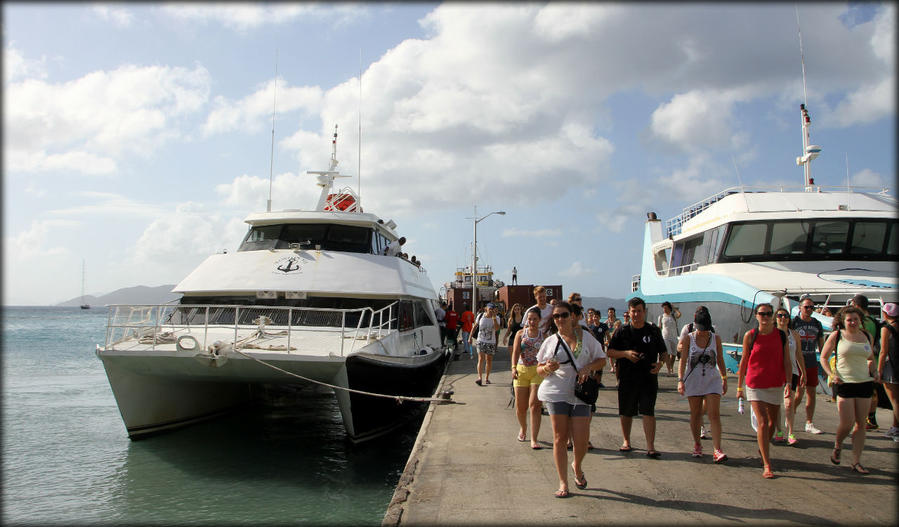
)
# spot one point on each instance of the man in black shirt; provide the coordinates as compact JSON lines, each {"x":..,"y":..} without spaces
{"x":640,"y":353}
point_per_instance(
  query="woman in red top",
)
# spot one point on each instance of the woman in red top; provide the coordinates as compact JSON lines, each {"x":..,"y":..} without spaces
{"x":765,"y":364}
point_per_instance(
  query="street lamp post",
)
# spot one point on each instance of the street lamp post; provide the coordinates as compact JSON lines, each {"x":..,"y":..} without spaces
{"x":474,"y":257}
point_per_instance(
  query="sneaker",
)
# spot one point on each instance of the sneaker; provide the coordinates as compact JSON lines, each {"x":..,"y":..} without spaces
{"x":703,"y":433}
{"x":810,"y":428}
{"x":779,"y":437}
{"x":896,"y":438}
{"x":871,"y":424}
{"x":892,"y":432}
{"x":697,"y":450}
{"x":719,"y":456}
{"x":791,"y":439}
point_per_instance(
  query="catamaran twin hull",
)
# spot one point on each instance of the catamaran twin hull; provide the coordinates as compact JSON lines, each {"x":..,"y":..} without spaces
{"x":169,"y":375}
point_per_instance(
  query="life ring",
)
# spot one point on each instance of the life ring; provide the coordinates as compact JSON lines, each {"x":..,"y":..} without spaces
{"x":193,"y":345}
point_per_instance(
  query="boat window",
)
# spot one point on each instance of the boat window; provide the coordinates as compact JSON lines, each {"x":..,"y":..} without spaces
{"x":868,"y":237}
{"x":746,"y":239}
{"x":789,"y":237}
{"x":893,"y":240}
{"x":328,"y":237}
{"x":829,"y":237}
{"x":261,"y":238}
{"x":308,"y":235}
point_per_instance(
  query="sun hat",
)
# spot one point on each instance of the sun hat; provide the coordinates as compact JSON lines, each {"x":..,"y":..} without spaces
{"x":890,"y":309}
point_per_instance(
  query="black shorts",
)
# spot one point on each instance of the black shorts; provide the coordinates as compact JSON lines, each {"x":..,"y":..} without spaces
{"x":795,"y":382}
{"x":637,"y":395}
{"x":861,"y":390}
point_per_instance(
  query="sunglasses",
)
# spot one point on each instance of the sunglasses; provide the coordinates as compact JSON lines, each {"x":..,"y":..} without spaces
{"x":561,"y":315}
{"x":783,"y":315}
{"x":765,"y":313}
{"x":808,"y":307}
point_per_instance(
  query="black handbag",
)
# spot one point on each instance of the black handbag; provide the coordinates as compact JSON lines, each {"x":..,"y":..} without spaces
{"x":587,"y":391}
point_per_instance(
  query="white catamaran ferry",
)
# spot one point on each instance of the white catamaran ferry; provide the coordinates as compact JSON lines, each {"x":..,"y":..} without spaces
{"x":308,"y":297}
{"x":745,"y":246}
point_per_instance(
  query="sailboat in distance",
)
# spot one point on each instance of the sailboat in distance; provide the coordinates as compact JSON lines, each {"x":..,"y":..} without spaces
{"x":84,"y":305}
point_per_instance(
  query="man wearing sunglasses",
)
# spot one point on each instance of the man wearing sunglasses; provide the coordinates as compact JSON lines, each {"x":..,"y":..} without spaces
{"x":811,"y":338}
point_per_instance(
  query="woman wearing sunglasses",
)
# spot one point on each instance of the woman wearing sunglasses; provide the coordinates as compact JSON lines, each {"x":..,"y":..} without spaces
{"x":563,"y":361}
{"x":854,"y":379}
{"x":765,"y":365}
{"x":782,"y":318}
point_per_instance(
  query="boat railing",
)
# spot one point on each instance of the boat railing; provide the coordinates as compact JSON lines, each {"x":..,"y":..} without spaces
{"x":674,"y":226}
{"x":153,"y":325}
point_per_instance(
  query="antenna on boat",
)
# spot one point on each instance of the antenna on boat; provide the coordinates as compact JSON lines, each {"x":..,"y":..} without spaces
{"x":737,"y":170}
{"x":809,"y":151}
{"x":271,"y":165}
{"x":359,"y":142}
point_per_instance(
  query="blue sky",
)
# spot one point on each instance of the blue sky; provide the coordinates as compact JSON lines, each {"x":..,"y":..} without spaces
{"x":138,"y":136}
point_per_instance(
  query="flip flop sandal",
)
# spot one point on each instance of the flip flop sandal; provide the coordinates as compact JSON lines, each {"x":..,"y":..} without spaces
{"x":655,"y":454}
{"x":625,"y":449}
{"x":767,"y":474}
{"x":561,"y":494}
{"x":857,"y":467}
{"x":478,"y":382}
{"x":581,"y":482}
{"x":835,"y":456}
{"x":522,"y":438}
{"x":537,"y":447}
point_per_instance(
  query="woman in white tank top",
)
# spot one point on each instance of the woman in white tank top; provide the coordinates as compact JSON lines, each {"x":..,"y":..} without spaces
{"x":785,"y":324}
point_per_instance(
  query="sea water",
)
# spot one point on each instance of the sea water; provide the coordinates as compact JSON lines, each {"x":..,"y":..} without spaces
{"x":68,"y":460}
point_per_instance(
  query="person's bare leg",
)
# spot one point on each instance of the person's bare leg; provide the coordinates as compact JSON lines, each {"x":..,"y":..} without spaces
{"x":560,"y":447}
{"x":536,"y":416}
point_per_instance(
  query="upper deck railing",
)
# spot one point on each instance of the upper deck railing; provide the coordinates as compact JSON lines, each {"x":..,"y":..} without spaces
{"x":674,"y":225}
{"x":153,"y":325}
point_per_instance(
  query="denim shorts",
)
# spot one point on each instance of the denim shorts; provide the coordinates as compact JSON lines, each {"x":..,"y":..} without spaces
{"x":571,"y":410}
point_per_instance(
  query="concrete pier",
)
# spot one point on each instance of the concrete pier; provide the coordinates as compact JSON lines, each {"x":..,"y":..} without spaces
{"x":467,"y":467}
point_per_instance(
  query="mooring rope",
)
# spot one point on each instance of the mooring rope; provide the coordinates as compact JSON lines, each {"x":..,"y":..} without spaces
{"x":398,"y":398}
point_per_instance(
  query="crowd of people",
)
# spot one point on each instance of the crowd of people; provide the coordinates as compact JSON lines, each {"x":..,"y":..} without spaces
{"x":557,"y":348}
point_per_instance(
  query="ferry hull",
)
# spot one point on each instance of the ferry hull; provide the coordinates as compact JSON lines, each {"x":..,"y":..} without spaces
{"x":163,"y":392}
{"x":373,"y":416}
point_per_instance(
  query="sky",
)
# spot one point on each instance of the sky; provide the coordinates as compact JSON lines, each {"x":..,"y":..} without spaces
{"x":138,"y":136}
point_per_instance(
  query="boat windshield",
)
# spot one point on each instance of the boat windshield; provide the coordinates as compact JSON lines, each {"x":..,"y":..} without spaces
{"x":330,"y":237}
{"x":821,"y":239}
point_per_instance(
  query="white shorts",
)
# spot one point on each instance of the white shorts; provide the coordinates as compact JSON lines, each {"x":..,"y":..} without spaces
{"x":773,"y":396}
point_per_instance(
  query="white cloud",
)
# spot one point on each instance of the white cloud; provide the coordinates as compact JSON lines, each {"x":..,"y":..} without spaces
{"x":118,"y":16}
{"x":87,"y":124}
{"x":110,"y":204}
{"x":576,"y":269}
{"x":250,"y":113}
{"x":33,"y":242}
{"x":868,"y":178}
{"x":16,"y":66}
{"x":289,"y":191}
{"x":697,"y":119}
{"x":245,"y":17}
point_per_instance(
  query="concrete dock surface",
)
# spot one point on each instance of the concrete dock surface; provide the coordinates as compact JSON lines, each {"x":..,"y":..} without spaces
{"x":467,"y":467}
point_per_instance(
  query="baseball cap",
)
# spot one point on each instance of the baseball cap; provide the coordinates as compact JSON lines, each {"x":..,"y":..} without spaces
{"x":491,"y":305}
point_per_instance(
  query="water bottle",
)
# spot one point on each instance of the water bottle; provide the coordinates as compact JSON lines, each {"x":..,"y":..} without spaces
{"x":740,"y":408}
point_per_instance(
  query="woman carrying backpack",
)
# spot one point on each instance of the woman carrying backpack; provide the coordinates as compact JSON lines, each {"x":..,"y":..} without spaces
{"x":888,"y":363}
{"x":853,"y":380}
{"x":765,"y":365}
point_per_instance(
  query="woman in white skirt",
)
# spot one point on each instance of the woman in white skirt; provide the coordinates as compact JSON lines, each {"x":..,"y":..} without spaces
{"x":765,"y":365}
{"x":702,"y":377}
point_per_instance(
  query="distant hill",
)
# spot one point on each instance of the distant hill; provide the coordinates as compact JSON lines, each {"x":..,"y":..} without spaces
{"x":602,"y":303}
{"x":129,"y":295}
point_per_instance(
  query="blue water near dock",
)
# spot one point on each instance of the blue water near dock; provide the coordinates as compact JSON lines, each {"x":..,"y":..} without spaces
{"x":68,"y":460}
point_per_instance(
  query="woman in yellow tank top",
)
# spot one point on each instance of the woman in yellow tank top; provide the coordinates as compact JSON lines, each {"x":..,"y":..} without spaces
{"x":853,"y":380}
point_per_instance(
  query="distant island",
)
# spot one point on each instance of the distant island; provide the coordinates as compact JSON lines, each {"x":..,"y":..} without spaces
{"x":140,"y":294}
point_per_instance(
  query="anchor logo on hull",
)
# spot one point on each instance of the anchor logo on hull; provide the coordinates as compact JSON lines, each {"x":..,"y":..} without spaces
{"x":288,"y":265}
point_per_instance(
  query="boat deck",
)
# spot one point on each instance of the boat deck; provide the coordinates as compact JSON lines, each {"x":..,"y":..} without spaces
{"x":467,"y":467}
